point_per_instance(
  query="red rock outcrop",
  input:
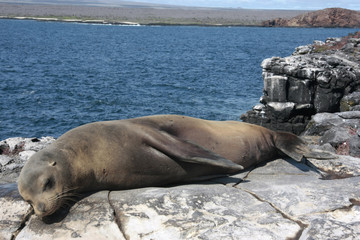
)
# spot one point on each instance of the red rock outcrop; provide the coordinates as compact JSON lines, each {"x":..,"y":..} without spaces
{"x":329,"y":17}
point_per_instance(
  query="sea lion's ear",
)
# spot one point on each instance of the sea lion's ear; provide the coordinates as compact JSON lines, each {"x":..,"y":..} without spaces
{"x":52,"y":163}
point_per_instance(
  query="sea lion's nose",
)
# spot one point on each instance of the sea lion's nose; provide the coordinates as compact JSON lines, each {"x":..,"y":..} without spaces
{"x":41,"y":207}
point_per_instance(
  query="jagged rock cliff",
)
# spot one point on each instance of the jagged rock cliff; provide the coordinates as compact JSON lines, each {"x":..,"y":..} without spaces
{"x":321,"y":77}
{"x":329,"y":17}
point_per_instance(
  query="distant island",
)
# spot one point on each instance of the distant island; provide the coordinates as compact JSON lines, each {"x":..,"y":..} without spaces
{"x":329,"y":17}
{"x":144,"y":14}
{"x":152,"y":14}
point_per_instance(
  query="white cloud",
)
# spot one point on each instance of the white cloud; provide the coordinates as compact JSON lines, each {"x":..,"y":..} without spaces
{"x":264,"y":4}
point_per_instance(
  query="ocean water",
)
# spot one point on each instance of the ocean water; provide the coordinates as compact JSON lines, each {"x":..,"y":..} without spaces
{"x":56,"y":76}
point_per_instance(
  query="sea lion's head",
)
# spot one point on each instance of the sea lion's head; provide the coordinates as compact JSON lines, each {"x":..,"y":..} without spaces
{"x":42,"y":182}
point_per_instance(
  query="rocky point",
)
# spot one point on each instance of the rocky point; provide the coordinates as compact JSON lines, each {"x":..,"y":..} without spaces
{"x":329,"y":17}
{"x":320,"y":77}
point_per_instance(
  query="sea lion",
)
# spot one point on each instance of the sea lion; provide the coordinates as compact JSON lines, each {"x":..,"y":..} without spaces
{"x":146,"y":151}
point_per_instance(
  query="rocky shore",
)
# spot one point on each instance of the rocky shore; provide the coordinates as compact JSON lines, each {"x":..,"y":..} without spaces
{"x":282,"y":199}
{"x":329,"y":17}
{"x":317,"y":78}
{"x":315,"y":92}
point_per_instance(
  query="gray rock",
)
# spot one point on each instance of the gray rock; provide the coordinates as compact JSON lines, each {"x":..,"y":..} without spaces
{"x":335,"y":136}
{"x":275,"y":88}
{"x":25,"y":155}
{"x":4,"y":160}
{"x":259,"y":107}
{"x":12,"y":210}
{"x":281,"y":111}
{"x":333,"y":61}
{"x":13,"y":142}
{"x":300,"y":91}
{"x":333,"y":40}
{"x":304,"y":106}
{"x":279,"y":200}
{"x":269,"y":62}
{"x":325,"y":100}
{"x":15,"y":152}
{"x":290,"y":70}
{"x":339,"y":168}
{"x":322,"y":122}
{"x":354,"y":145}
{"x":336,"y":224}
{"x":319,"y":43}
{"x":314,"y":75}
{"x":349,"y":115}
{"x":303,"y":50}
{"x":90,"y":218}
{"x":323,"y":78}
{"x":322,"y":207}
{"x":34,"y":144}
{"x":297,"y":189}
{"x":219,"y":212}
{"x":307,"y":73}
{"x":356,"y":108}
{"x":341,"y":130}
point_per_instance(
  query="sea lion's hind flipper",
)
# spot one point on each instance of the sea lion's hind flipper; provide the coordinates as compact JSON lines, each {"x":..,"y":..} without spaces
{"x":319,"y":154}
{"x":296,"y":148}
{"x":186,"y":151}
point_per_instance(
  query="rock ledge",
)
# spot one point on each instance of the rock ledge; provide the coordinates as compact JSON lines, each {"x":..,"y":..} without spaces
{"x":317,"y":78}
{"x":282,"y":199}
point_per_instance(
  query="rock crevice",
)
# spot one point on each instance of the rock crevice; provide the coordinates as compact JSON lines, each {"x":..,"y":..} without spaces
{"x":117,"y":218}
{"x":23,"y":223}
{"x":301,"y":224}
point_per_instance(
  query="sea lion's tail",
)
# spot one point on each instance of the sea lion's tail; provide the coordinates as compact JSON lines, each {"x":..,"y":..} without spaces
{"x":296,"y":148}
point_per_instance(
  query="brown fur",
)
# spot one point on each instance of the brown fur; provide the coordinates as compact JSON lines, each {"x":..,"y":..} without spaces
{"x":146,"y":151}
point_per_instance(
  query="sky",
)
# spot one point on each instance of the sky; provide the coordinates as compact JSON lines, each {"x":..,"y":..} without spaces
{"x":264,"y":4}
{"x":249,"y":4}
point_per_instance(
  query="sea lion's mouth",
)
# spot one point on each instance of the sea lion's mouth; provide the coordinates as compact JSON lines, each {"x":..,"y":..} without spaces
{"x":60,"y":200}
{"x":46,"y":210}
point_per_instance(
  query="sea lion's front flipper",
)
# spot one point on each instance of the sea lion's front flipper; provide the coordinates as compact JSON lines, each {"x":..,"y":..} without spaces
{"x":186,"y":151}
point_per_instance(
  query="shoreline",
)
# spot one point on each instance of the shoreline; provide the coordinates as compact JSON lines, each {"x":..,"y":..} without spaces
{"x":143,"y":15}
{"x":85,"y":21}
{"x":121,"y":23}
{"x":148,"y":15}
{"x":129,"y":23}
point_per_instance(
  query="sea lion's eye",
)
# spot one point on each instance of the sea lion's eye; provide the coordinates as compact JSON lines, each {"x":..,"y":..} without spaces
{"x":48,"y":184}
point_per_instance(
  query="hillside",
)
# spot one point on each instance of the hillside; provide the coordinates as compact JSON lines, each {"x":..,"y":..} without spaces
{"x":329,"y":17}
{"x":145,"y":14}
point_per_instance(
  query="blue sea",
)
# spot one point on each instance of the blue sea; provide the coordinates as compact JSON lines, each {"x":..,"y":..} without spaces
{"x":56,"y":76}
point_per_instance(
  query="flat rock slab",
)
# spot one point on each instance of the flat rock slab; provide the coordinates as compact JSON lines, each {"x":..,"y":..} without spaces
{"x":327,"y":209}
{"x":280,"y":200}
{"x":90,"y":218}
{"x":209,"y":211}
{"x":12,"y":210}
